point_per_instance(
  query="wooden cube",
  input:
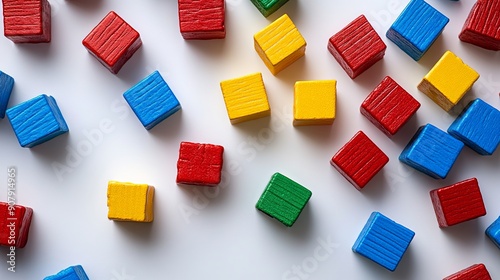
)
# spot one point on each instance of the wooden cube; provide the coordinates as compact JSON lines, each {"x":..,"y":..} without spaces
{"x":283,"y":199}
{"x":482,"y":25}
{"x":245,"y":98}
{"x":448,"y":81}
{"x":383,"y":241}
{"x":15,"y":222}
{"x":6,"y":85}
{"x":357,"y":47}
{"x":389,"y":106}
{"x":113,"y":41}
{"x":152,"y":100}
{"x":27,"y":21}
{"x":493,"y":232}
{"x":473,"y":272}
{"x":75,"y":272}
{"x":314,"y":102}
{"x":130,"y":202}
{"x":36,"y":121}
{"x":267,"y":7}
{"x":202,"y":19}
{"x":478,"y":126}
{"x":431,"y":151}
{"x":279,"y":44}
{"x":359,"y":160}
{"x":199,"y":164}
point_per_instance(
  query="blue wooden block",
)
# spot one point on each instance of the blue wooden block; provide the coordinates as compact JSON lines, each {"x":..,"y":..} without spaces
{"x":383,"y":241}
{"x":478,"y":126}
{"x":432,"y":151}
{"x":6,"y":85}
{"x":75,"y":272}
{"x":493,"y":232}
{"x":36,"y":121}
{"x":416,"y":28}
{"x":152,"y":100}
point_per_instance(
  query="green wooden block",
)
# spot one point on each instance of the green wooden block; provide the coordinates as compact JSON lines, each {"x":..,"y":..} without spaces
{"x":283,"y":199}
{"x":267,"y":7}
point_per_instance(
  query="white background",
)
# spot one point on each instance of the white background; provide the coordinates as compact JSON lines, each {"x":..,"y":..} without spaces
{"x":201,"y":233}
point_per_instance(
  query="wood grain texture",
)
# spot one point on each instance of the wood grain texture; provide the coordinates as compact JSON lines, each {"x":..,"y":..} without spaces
{"x":27,"y":21}
{"x":482,"y":26}
{"x":130,"y":202}
{"x":314,"y":102}
{"x":389,"y":106}
{"x":268,"y":7}
{"x":17,"y":220}
{"x":199,"y":164}
{"x":75,"y":272}
{"x":202,"y":19}
{"x":493,"y":232}
{"x":6,"y":85}
{"x":357,"y":47}
{"x":473,"y":272}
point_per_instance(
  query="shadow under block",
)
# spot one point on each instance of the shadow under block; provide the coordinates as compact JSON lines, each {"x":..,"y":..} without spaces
{"x":113,"y":41}
{"x":245,"y":98}
{"x":493,"y":232}
{"x":482,"y":26}
{"x":267,"y":7}
{"x":130,"y":202}
{"x":75,"y":272}
{"x":279,"y":44}
{"x":36,"y":121}
{"x":383,"y":241}
{"x":458,"y":203}
{"x":357,"y":47}
{"x":27,"y":21}
{"x":478,"y":126}
{"x":314,"y":102}
{"x":152,"y":100}
{"x":283,"y":199}
{"x":6,"y":85}
{"x":389,"y":106}
{"x":431,"y":151}
{"x":202,"y":19}
{"x":199,"y":164}
{"x":416,"y":28}
{"x":448,"y":81}
{"x":15,"y":222}
{"x":473,"y":272}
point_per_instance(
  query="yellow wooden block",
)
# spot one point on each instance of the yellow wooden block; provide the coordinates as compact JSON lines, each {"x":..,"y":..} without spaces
{"x":130,"y":202}
{"x":279,"y":44}
{"x":245,"y":98}
{"x":448,"y":81}
{"x":314,"y":102}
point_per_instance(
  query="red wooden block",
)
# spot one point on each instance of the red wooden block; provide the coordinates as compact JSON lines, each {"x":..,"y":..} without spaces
{"x":458,"y":203}
{"x":359,"y":160}
{"x":473,"y":272}
{"x":357,"y":47}
{"x":202,"y":19}
{"x":113,"y":41}
{"x":389,"y":106}
{"x":15,"y":224}
{"x":199,"y":164}
{"x":482,"y":27}
{"x":27,"y":21}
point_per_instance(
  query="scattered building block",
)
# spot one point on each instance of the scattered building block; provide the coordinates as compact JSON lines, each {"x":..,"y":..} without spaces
{"x":416,"y":28}
{"x":478,"y":126}
{"x":493,"y":232}
{"x":482,"y":25}
{"x":15,"y":221}
{"x":357,"y":47}
{"x":152,"y":100}
{"x":245,"y":98}
{"x":279,"y":44}
{"x":359,"y":160}
{"x":113,"y":41}
{"x":458,"y":203}
{"x":202,"y":19}
{"x":473,"y":272}
{"x":383,"y":241}
{"x":283,"y":199}
{"x":431,"y":151}
{"x":6,"y":85}
{"x":389,"y":106}
{"x":75,"y":272}
{"x":27,"y":21}
{"x":267,"y":7}
{"x":314,"y":102}
{"x":130,"y":202}
{"x":448,"y":81}
{"x":199,"y":164}
{"x":36,"y":121}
